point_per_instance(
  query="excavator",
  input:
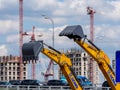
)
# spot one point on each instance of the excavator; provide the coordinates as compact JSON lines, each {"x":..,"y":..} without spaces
{"x":75,"y":32}
{"x":31,"y":50}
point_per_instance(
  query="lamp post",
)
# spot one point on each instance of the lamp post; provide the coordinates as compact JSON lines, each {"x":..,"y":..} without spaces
{"x":47,"y":17}
{"x":52,"y":22}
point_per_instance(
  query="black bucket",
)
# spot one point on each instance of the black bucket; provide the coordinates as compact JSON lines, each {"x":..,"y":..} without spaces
{"x":73,"y":32}
{"x":31,"y":50}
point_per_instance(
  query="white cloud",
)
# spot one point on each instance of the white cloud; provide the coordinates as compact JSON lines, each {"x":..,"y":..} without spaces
{"x":41,"y":4}
{"x":12,"y":38}
{"x":8,"y":26}
{"x":69,"y":8}
{"x":107,"y":32}
{"x":6,"y":3}
{"x":60,"y":20}
{"x":3,"y":50}
{"x":115,"y":13}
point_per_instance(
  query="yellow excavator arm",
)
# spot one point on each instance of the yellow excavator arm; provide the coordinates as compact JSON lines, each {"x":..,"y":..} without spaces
{"x":103,"y":61}
{"x":31,"y":50}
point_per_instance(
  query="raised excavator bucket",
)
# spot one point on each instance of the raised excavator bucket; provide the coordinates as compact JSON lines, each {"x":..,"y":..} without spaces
{"x":73,"y":32}
{"x":31,"y":50}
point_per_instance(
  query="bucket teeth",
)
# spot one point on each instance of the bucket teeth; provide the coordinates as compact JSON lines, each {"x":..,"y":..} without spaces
{"x":73,"y":32}
{"x":31,"y":50}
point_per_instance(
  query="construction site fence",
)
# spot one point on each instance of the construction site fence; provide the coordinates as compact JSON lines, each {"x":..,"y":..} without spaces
{"x":48,"y":88}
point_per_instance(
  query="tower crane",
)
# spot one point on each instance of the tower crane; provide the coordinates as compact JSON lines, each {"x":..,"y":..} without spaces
{"x":91,"y":12}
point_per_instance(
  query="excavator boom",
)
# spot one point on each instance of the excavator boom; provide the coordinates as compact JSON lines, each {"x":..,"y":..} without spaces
{"x":103,"y":61}
{"x":31,"y":50}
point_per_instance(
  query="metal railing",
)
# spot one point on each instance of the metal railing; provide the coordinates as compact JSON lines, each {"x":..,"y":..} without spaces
{"x":23,"y":87}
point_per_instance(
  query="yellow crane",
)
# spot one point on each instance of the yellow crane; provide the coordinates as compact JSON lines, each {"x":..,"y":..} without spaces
{"x":75,"y":32}
{"x":31,"y":50}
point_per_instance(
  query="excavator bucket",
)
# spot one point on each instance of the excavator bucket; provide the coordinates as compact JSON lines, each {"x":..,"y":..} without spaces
{"x":31,"y":50}
{"x":73,"y":32}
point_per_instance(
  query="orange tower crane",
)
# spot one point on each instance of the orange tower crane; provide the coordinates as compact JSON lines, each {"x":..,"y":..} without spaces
{"x":21,"y":36}
{"x":91,"y":12}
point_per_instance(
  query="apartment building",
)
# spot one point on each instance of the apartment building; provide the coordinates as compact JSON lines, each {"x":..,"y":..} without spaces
{"x":81,"y":64}
{"x":10,"y":68}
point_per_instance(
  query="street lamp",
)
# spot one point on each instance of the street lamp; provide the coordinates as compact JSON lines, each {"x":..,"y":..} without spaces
{"x":47,"y":17}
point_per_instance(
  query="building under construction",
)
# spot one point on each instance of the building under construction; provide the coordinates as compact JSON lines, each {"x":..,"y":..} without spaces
{"x":10,"y":68}
{"x":81,"y":64}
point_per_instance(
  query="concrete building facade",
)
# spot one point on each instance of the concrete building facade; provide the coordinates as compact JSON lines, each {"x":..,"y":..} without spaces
{"x":81,"y":64}
{"x":10,"y":68}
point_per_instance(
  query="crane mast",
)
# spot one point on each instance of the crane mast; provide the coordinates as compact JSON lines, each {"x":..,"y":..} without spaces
{"x":21,"y":36}
{"x":91,"y":12}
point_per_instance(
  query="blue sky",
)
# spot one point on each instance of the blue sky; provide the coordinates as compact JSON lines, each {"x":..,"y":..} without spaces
{"x":63,"y":13}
